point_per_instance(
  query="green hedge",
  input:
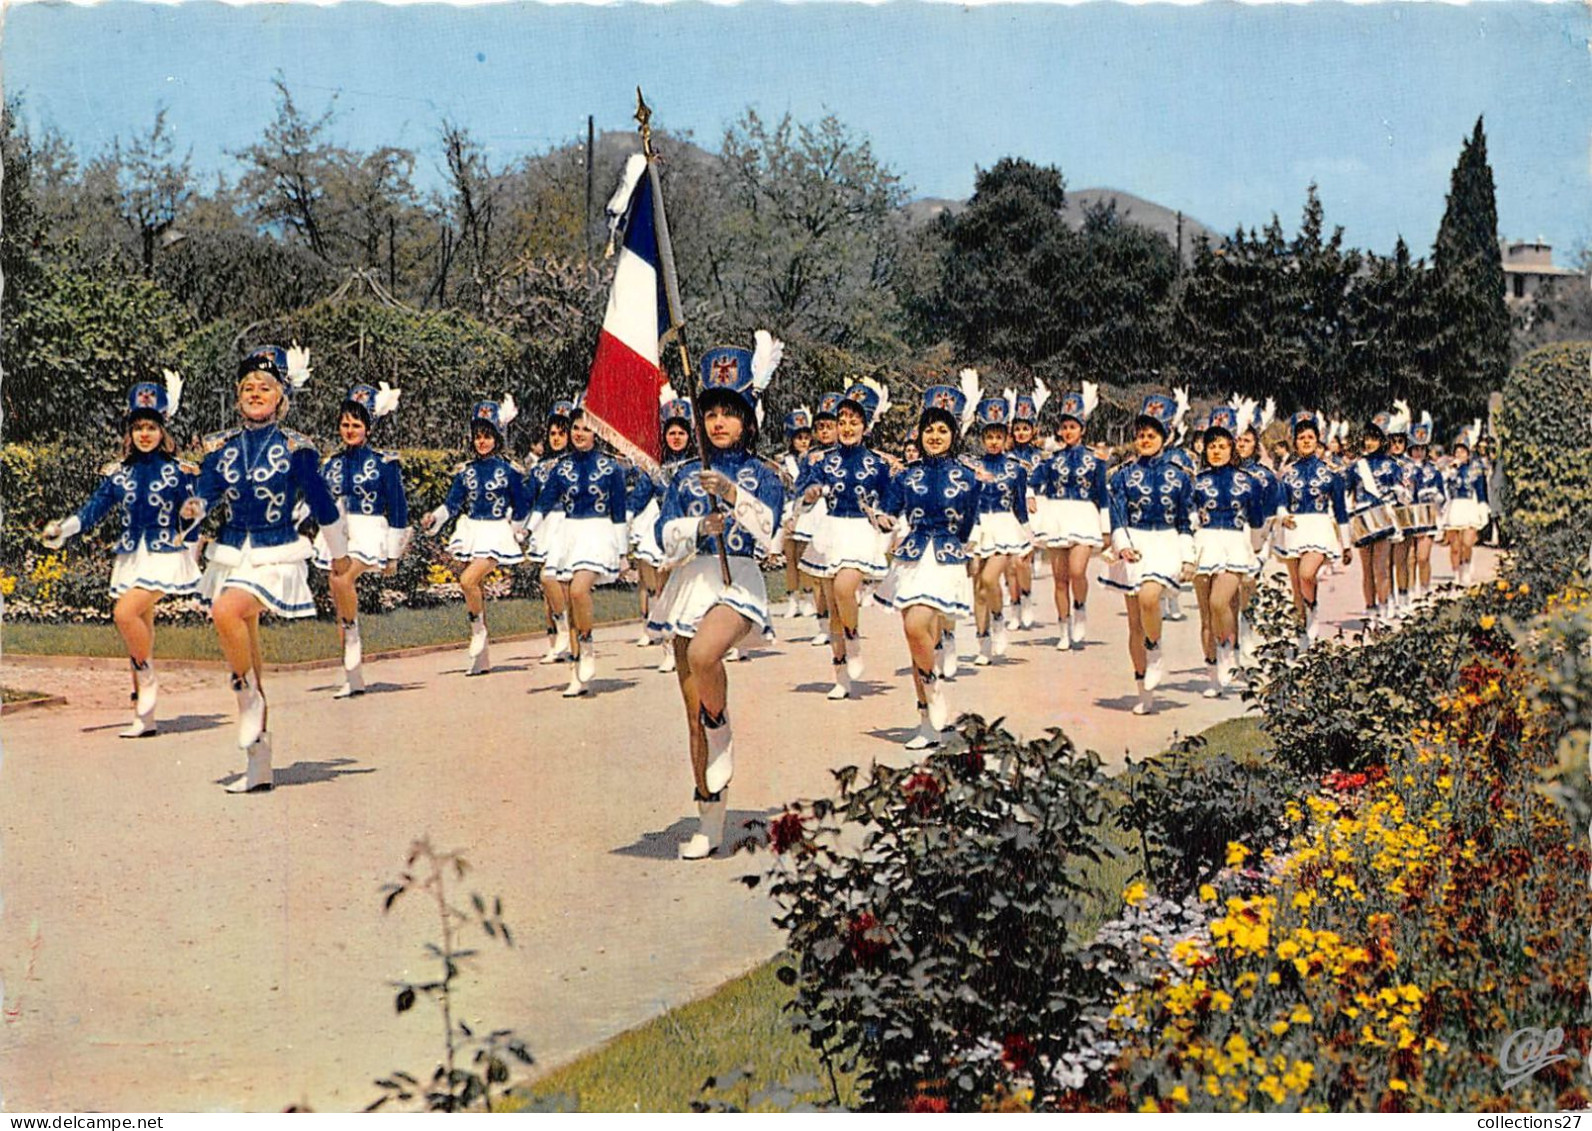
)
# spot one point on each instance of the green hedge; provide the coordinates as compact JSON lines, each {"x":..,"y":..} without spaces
{"x":1545,"y":431}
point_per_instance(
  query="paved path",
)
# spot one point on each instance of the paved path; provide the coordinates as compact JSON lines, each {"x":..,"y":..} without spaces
{"x":167,"y":946}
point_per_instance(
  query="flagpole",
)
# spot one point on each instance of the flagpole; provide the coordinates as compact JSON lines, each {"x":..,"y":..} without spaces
{"x":671,"y":292}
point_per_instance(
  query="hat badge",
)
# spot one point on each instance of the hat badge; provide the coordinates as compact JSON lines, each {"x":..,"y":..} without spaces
{"x":146,"y":398}
{"x":725,"y":371}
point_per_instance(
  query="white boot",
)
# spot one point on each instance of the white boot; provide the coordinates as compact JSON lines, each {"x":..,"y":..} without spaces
{"x":148,"y":688}
{"x":1213,"y":675}
{"x":251,"y":709}
{"x":934,"y":700}
{"x":667,"y":664}
{"x":480,"y":658}
{"x":1226,"y":664}
{"x":948,"y":659}
{"x":721,"y":751}
{"x":998,"y":631}
{"x":854,"y":655}
{"x":353,"y":683}
{"x":732,"y":655}
{"x":986,"y":649}
{"x":1080,"y":625}
{"x":820,"y":638}
{"x":1025,"y":610}
{"x":576,"y":688}
{"x":143,"y":725}
{"x":926,"y":735}
{"x":557,"y":649}
{"x":842,"y":688}
{"x":792,"y":607}
{"x":1153,"y":668}
{"x":257,"y":776}
{"x":710,"y":829}
{"x":1146,"y":703}
{"x":1312,"y":624}
{"x":353,"y":647}
{"x":644,"y":640}
{"x":1246,"y":642}
{"x":586,"y":666}
{"x":1064,"y":637}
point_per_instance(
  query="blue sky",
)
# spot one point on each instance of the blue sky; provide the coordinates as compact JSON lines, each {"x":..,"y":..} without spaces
{"x":1227,"y":111}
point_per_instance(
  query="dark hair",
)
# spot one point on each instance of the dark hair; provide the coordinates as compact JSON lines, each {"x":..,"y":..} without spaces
{"x":168,"y":445}
{"x":938,"y":415}
{"x":356,"y":410}
{"x":716,"y":398}
{"x":479,"y":426}
{"x":678,"y":422}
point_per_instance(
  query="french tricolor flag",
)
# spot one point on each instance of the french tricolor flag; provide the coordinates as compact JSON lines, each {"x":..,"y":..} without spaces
{"x":622,"y":392}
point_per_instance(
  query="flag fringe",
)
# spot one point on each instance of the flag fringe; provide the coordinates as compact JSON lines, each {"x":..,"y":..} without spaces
{"x":623,"y":445}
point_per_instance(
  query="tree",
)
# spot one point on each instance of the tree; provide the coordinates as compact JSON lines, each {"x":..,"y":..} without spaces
{"x":1119,"y":314}
{"x":1322,"y":275}
{"x":1007,"y":258}
{"x":805,"y":243}
{"x":1389,"y":339}
{"x":287,"y":171}
{"x":153,"y":188}
{"x":21,"y":233}
{"x":1471,"y":347}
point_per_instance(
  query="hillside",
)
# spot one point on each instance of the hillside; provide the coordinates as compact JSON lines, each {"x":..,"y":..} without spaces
{"x":1156,"y":217}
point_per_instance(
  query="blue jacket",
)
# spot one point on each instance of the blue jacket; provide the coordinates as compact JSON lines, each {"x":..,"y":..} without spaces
{"x":1426,"y":483}
{"x":1269,"y":479}
{"x":150,"y":490}
{"x":1309,"y":486}
{"x":938,"y":498}
{"x":1230,"y":498}
{"x":750,"y":523}
{"x":1074,"y":474}
{"x":489,"y":488}
{"x":1007,"y":490}
{"x":850,"y":476}
{"x":260,"y":473}
{"x":1029,"y":455}
{"x":368,"y":482}
{"x":1152,"y":494}
{"x":1468,"y":481}
{"x":1376,"y":478}
{"x":588,"y":484}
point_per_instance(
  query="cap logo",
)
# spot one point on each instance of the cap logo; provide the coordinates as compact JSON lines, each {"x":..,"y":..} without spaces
{"x":146,"y":398}
{"x":484,"y":412}
{"x":944,"y":400}
{"x":724,"y":370}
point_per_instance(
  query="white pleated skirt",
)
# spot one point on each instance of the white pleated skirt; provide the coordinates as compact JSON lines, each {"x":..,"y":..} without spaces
{"x":586,"y":545}
{"x":1074,"y":522}
{"x":172,"y":571}
{"x":698,"y":586}
{"x":1312,"y":534}
{"x":846,"y":543}
{"x":999,"y":534}
{"x":1160,"y":560}
{"x":367,"y":541}
{"x":1225,"y":551}
{"x":942,"y":586}
{"x":644,"y":535}
{"x":276,"y":576}
{"x":1042,"y":519}
{"x":493,"y":538}
{"x":1466,"y":514}
{"x":807,"y":524}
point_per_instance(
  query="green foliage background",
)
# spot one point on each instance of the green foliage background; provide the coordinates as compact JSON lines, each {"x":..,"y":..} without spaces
{"x":1545,"y":428}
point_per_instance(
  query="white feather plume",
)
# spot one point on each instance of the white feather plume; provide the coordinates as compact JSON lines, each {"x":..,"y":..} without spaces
{"x":765,"y":359}
{"x":970,"y":396}
{"x":1426,"y":420}
{"x":173,"y":391}
{"x":667,"y":394}
{"x":1091,"y":398}
{"x":1267,"y":415}
{"x":386,"y":400}
{"x":1041,"y":395}
{"x":507,"y":411}
{"x":1400,"y":421}
{"x":298,"y":365}
{"x":1180,"y":395}
{"x":635,"y":167}
{"x":884,"y":400}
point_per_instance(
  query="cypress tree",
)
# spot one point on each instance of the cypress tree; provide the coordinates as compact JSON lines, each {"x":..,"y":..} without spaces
{"x":1470,"y":354}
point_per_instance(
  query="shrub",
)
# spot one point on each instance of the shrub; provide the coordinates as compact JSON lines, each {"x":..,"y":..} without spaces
{"x":1543,"y":434}
{"x":1191,"y":802}
{"x":935,"y":914}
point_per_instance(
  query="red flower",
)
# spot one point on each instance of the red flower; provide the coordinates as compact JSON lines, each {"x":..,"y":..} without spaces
{"x":970,"y":763}
{"x":933,"y":1104}
{"x":922,"y":792}
{"x":1016,"y":1052}
{"x":866,"y":941}
{"x":787,"y":831}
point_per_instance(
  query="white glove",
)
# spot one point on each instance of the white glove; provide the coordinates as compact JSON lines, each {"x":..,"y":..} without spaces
{"x":398,"y":542}
{"x":433,"y":521}
{"x":56,"y":533}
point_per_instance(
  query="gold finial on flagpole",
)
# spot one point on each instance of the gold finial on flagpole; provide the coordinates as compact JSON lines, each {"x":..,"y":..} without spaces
{"x":644,"y":120}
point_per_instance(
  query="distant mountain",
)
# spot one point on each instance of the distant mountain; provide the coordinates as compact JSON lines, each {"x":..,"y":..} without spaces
{"x":1156,"y":217}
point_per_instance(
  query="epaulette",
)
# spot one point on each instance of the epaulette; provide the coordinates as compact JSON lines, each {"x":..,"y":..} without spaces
{"x":389,"y":457}
{"x":296,"y":440}
{"x":187,"y":468}
{"x":814,"y":457}
{"x":772,"y":466}
{"x":460,"y":467}
{"x":111,"y":468}
{"x":516,"y":465}
{"x":217,"y":440}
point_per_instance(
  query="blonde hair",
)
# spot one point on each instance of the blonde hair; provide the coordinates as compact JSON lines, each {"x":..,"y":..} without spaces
{"x":168,"y":444}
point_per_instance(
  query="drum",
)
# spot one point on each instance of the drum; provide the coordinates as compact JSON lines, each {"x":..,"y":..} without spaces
{"x":1426,"y":516}
{"x":1372,"y":524}
{"x":1404,"y":515}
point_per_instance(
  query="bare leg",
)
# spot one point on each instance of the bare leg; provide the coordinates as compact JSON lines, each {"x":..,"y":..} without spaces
{"x":580,"y":608}
{"x":135,"y":620}
{"x":345,"y":598}
{"x":921,"y":625}
{"x":554,"y":596}
{"x":470,"y":581}
{"x":1078,"y":572}
{"x":1224,"y":623}
{"x":1202,"y":593}
{"x":1150,"y":612}
{"x":842,"y":609}
{"x":1135,"y":609}
{"x":1309,"y":571}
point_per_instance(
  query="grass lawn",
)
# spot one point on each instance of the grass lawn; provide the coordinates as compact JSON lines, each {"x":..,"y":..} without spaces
{"x":661,"y":1065}
{"x":289,"y":642}
{"x":19,"y":695}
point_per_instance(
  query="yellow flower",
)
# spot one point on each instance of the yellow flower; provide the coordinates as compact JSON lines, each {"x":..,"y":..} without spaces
{"x":1287,"y":949}
{"x":1207,"y":893}
{"x":1179,"y":1094}
{"x":1135,"y":893}
{"x":1301,"y":1015}
{"x":1488,"y":621}
{"x":1273,"y":1088}
{"x":1278,"y":1028}
{"x":1236,"y":854}
{"x":1149,"y":1107}
{"x":1398,"y":1085}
